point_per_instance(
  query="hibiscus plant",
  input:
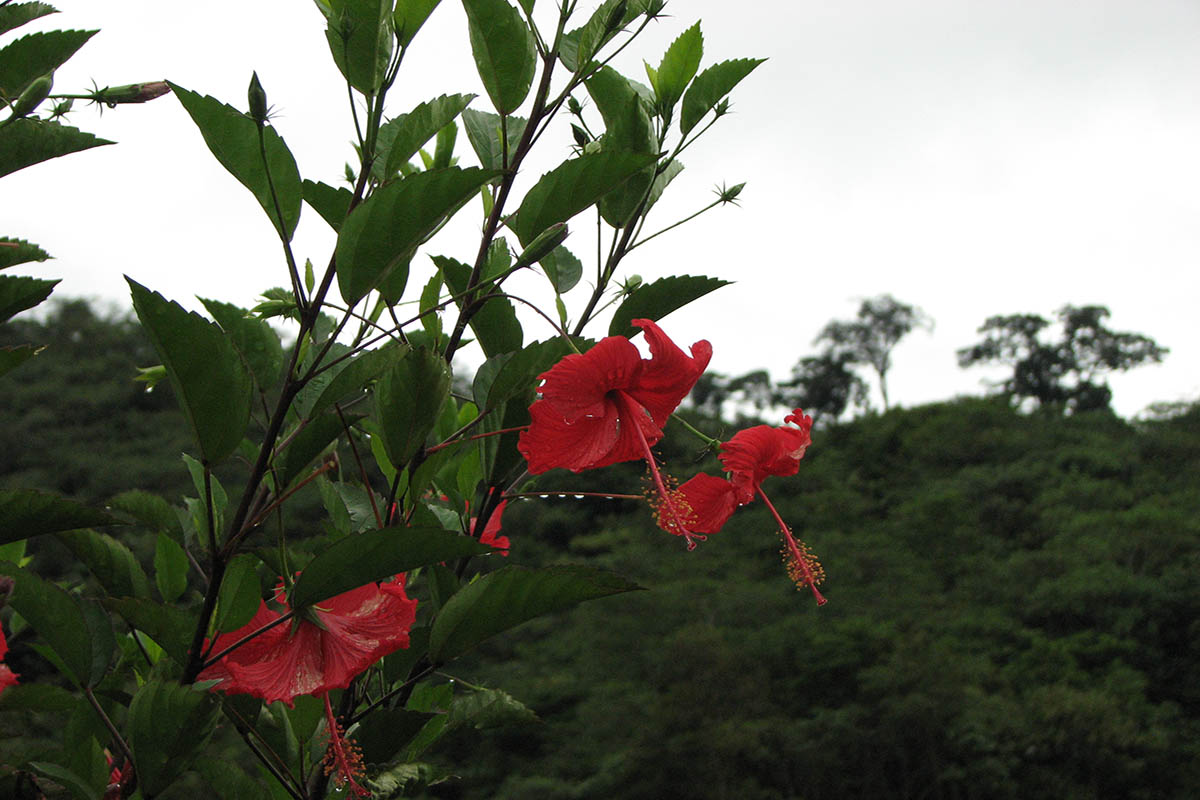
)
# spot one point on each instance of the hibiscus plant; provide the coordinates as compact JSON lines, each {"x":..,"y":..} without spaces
{"x":322,"y":645}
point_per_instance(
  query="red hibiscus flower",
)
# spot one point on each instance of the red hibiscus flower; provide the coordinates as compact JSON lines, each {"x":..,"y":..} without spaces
{"x":609,"y":405}
{"x":750,"y":457}
{"x":7,"y":676}
{"x":491,"y":531}
{"x":321,"y":648}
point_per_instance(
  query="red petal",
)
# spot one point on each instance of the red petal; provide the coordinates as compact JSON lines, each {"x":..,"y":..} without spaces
{"x":588,"y":443}
{"x":754,"y":453}
{"x":712,"y":501}
{"x":577,"y":386}
{"x":669,"y":374}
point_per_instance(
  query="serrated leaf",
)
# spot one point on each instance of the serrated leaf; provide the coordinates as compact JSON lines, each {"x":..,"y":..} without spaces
{"x":408,"y":399}
{"x":505,"y":55}
{"x":626,"y":122}
{"x":331,"y":204}
{"x":150,"y":510}
{"x":24,"y":142}
{"x":210,"y":382}
{"x":30,"y":57}
{"x":579,"y":47}
{"x":25,"y":513}
{"x":661,"y":181}
{"x":101,"y":637}
{"x":484,"y":708}
{"x":409,"y":16}
{"x":507,"y":597}
{"x":562,"y":268}
{"x":360,"y":39}
{"x":170,"y":568}
{"x":18,"y":293}
{"x":519,"y":374}
{"x":168,"y":727}
{"x":386,"y":230}
{"x":234,"y":139}
{"x":19,"y":251}
{"x":38,"y":697}
{"x":710,"y":87}
{"x":253,"y":338}
{"x":13,"y":357}
{"x":483,"y":132}
{"x":572,"y":187}
{"x":386,"y":731}
{"x":361,"y":558}
{"x":350,"y":380}
{"x":58,"y":619}
{"x":170,"y":627}
{"x":239,"y":598}
{"x":78,"y":786}
{"x":402,"y":137}
{"x":494,"y":322}
{"x":15,"y":15}
{"x":678,"y":67}
{"x":655,"y":300}
{"x":113,"y":564}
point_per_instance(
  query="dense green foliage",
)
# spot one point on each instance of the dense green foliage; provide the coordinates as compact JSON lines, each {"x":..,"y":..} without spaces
{"x":1013,"y":604}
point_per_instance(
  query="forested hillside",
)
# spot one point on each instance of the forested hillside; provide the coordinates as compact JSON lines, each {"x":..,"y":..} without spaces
{"x":1013,"y":604}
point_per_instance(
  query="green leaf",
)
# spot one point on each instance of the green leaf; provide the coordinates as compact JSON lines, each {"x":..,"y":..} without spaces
{"x":13,"y":357}
{"x":150,"y":510}
{"x":408,"y":400}
{"x":240,"y":593}
{"x":58,"y":619}
{"x":253,"y":338}
{"x":386,"y":731}
{"x":100,"y":635}
{"x":359,"y":371}
{"x":309,"y":442}
{"x":168,"y":727}
{"x":402,"y":137}
{"x":710,"y":87}
{"x":24,"y":142}
{"x":332,"y":204}
{"x":113,"y":564}
{"x":504,"y":51}
{"x":563,"y":269}
{"x":483,"y":132}
{"x":655,"y":300}
{"x":360,"y":39}
{"x":18,"y":293}
{"x":19,"y":251}
{"x":386,"y":230}
{"x":234,"y":139}
{"x":228,"y":781}
{"x":170,"y":568}
{"x":409,"y":16}
{"x":580,"y":46}
{"x":356,"y":560}
{"x":170,"y":627}
{"x":17,"y":14}
{"x":206,"y":372}
{"x":38,"y":697}
{"x":78,"y":786}
{"x":25,"y":513}
{"x":495,"y":322}
{"x":626,"y":121}
{"x":519,"y":374}
{"x":483,"y":708}
{"x":572,"y":187}
{"x":678,"y":67}
{"x":30,"y":57}
{"x":507,"y":597}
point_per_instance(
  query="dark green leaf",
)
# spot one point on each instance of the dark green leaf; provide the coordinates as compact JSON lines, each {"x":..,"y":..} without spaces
{"x":409,"y":16}
{"x":38,"y":697}
{"x":580,"y":46}
{"x":655,"y":300}
{"x":57,"y":618}
{"x":386,"y":230}
{"x":150,"y":510}
{"x":375,"y":555}
{"x":170,"y":627}
{"x":25,"y":513}
{"x":408,"y":400}
{"x":240,"y":593}
{"x":253,"y":338}
{"x":360,"y":39}
{"x":520,"y":374}
{"x":13,"y":357}
{"x":402,"y":137}
{"x":678,"y":67}
{"x":19,"y":251}
{"x":661,"y":181}
{"x":78,"y":786}
{"x":483,"y":132}
{"x":507,"y":597}
{"x":572,"y":187}
{"x":489,"y":708}
{"x":358,"y":372}
{"x":168,"y":725}
{"x":113,"y":564}
{"x":18,"y":293}
{"x":563,"y":269}
{"x":710,"y":87}
{"x":504,"y":51}
{"x":210,"y":382}
{"x":100,"y":635}
{"x":386,"y":731}
{"x":170,"y":568}
{"x":309,"y":442}
{"x":24,"y":142}
{"x":626,"y":121}
{"x":332,"y":204}
{"x":228,"y":781}
{"x":495,"y":321}
{"x":15,"y":15}
{"x":234,"y":139}
{"x":30,"y":57}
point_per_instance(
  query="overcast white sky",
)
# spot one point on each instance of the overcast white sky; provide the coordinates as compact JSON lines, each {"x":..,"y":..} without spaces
{"x":973,"y":157}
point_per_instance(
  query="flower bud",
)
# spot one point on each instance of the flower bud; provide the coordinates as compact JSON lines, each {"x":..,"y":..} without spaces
{"x":581,"y":137}
{"x":258,"y":100}
{"x":541,"y":246}
{"x":33,"y":96}
{"x":574,"y":106}
{"x":616,"y":17}
{"x":113,"y":96}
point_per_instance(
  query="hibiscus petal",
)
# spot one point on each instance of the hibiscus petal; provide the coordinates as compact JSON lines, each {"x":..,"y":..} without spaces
{"x":712,"y":501}
{"x":754,"y":453}
{"x":669,"y":374}
{"x":578,"y":386}
{"x":588,"y":443}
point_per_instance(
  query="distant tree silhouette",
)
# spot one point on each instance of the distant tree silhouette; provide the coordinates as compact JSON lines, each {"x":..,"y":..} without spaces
{"x":869,"y":338}
{"x":824,"y":386}
{"x":1068,"y":373}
